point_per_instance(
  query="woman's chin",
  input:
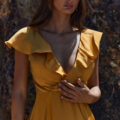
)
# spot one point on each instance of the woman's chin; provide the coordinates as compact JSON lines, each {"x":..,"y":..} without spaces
{"x":68,"y":11}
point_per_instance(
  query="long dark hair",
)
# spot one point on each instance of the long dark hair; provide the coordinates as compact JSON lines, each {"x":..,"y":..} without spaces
{"x":44,"y":13}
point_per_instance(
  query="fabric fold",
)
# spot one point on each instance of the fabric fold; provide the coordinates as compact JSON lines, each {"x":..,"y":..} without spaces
{"x":88,"y":51}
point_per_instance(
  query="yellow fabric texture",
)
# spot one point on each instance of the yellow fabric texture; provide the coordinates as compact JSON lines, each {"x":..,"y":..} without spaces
{"x":47,"y":73}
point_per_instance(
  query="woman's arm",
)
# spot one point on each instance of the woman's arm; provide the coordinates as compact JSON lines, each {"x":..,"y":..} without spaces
{"x":19,"y":93}
{"x":93,"y":82}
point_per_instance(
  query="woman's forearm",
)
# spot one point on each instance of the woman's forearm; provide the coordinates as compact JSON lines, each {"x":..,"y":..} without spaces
{"x":95,"y":94}
{"x":18,"y":106}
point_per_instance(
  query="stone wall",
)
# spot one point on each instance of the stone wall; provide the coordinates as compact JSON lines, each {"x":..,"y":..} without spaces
{"x":105,"y":17}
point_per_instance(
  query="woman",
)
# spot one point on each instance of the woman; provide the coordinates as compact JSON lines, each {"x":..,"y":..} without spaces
{"x":62,"y":55}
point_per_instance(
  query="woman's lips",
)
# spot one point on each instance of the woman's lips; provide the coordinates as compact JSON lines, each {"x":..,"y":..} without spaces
{"x":68,"y":5}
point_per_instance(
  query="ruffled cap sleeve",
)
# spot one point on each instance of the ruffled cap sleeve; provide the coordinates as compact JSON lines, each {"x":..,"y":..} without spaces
{"x":90,"y":43}
{"x":19,"y":41}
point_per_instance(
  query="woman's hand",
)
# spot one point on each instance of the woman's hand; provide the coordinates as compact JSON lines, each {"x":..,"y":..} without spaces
{"x":75,"y":94}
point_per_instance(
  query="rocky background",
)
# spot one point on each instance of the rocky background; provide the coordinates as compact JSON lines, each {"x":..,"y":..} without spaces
{"x":104,"y":16}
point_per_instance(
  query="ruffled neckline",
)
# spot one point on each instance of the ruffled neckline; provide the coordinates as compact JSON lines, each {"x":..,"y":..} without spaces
{"x":60,"y":66}
{"x":81,"y":62}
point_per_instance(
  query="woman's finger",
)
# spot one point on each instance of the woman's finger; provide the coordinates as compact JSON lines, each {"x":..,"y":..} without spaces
{"x":69,"y":85}
{"x":80,"y":83}
{"x":65,"y":88}
{"x":66,"y":93}
{"x":68,"y":99}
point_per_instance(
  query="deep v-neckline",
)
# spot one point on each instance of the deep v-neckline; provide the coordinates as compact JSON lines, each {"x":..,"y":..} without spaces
{"x":56,"y":58}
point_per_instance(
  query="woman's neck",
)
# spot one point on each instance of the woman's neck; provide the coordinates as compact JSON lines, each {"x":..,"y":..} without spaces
{"x":59,"y":23}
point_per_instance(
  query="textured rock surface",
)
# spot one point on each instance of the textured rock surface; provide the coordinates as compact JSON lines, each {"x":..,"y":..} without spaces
{"x":105,"y":17}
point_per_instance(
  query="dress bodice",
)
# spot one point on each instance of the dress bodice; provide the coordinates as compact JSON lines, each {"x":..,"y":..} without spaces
{"x":47,"y":71}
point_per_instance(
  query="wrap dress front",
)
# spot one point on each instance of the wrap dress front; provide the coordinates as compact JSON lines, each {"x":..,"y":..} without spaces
{"x":47,"y":73}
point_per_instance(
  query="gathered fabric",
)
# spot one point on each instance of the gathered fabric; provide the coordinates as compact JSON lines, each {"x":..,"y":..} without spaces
{"x":47,"y":73}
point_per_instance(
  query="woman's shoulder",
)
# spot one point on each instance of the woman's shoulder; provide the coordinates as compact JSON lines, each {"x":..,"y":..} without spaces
{"x":90,"y":40}
{"x":27,"y":30}
{"x":92,"y":35}
{"x":22,"y":40}
{"x":91,"y":31}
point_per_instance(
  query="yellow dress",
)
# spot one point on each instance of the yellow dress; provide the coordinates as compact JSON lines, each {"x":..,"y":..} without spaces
{"x":47,"y":73}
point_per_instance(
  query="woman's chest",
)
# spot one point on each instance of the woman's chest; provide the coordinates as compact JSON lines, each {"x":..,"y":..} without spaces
{"x":61,"y":56}
{"x":64,"y":50}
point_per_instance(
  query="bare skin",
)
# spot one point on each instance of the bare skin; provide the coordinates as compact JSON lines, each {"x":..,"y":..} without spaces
{"x":19,"y":93}
{"x":64,"y":40}
{"x":64,"y":47}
